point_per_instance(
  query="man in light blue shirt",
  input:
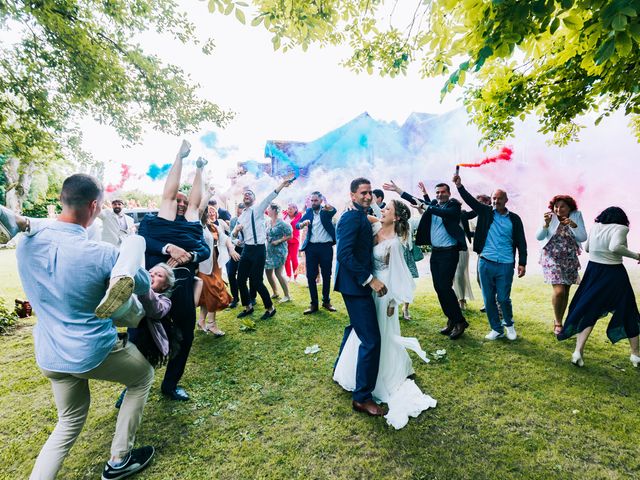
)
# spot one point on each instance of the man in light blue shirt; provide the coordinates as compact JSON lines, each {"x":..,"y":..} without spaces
{"x":499,"y":234}
{"x":65,"y":276}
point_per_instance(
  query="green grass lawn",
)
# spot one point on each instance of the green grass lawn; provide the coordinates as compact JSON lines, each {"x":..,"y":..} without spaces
{"x":261,"y":408}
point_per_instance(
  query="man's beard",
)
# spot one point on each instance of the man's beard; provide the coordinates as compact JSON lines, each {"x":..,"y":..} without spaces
{"x":315,"y":208}
{"x":117,"y":210}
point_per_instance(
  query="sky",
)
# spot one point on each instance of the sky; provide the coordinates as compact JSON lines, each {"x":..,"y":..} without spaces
{"x":286,"y":96}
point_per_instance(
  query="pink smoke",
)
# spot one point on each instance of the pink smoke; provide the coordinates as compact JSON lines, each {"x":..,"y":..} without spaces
{"x":125,"y":173}
{"x":505,"y":155}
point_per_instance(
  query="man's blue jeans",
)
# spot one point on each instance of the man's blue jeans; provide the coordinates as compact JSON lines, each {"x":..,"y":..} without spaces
{"x":496,"y":279}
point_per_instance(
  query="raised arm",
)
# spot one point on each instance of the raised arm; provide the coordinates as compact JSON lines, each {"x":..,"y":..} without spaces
{"x":469,"y":199}
{"x":451,"y":209}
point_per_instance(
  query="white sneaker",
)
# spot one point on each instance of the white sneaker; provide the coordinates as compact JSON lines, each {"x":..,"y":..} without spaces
{"x":635,"y":360}
{"x":493,"y":335}
{"x":576,"y":359}
{"x":285,"y":299}
{"x":511,"y":333}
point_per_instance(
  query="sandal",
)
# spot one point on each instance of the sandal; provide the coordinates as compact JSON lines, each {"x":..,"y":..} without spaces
{"x":557,"y":328}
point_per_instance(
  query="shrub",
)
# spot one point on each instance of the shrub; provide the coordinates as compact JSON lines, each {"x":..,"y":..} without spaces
{"x":8,"y":319}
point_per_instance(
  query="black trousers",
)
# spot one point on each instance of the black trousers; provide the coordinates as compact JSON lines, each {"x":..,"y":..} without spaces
{"x":183,"y":313}
{"x":443,"y":269}
{"x":319,"y":255}
{"x":251,"y":267}
{"x":232,"y":274}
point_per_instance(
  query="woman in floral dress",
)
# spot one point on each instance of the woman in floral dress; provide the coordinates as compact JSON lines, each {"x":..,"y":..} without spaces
{"x":561,"y":236}
{"x":278,"y":232}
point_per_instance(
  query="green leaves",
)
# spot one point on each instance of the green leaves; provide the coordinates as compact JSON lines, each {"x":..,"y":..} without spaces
{"x":605,"y":51}
{"x":570,"y":55}
{"x":76,"y":59}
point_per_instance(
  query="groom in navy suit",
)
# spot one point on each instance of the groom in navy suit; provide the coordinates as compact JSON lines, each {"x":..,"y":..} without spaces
{"x":355,"y":281}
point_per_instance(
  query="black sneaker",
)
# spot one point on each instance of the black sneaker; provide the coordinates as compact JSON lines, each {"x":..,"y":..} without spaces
{"x":138,"y":459}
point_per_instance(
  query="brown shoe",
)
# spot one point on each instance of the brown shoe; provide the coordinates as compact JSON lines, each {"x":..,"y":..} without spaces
{"x":328,"y":306}
{"x":369,"y":407}
{"x":310,"y":310}
{"x":458,"y":330}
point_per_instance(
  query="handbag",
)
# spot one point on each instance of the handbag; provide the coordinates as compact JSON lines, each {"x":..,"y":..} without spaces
{"x":416,"y":251}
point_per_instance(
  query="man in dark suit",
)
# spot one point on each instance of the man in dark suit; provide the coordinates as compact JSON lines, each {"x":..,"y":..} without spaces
{"x":186,"y":252}
{"x":440,"y":228}
{"x":355,"y":281}
{"x":318,"y":249}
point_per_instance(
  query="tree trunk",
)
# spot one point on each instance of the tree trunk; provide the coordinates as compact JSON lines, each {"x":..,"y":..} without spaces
{"x":18,"y":183}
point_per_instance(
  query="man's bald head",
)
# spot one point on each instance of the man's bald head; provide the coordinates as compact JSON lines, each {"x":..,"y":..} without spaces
{"x":499,"y":200}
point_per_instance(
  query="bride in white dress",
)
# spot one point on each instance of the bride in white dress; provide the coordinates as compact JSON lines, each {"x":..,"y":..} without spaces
{"x":403,"y":397}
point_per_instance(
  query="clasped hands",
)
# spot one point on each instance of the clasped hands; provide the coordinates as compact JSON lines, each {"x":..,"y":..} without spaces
{"x":179,"y":256}
{"x":565,"y":221}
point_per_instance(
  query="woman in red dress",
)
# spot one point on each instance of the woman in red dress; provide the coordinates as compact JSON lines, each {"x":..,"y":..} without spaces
{"x":293,"y":216}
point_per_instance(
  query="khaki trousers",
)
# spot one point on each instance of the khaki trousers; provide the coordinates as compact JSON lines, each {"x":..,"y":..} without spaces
{"x":125,"y":365}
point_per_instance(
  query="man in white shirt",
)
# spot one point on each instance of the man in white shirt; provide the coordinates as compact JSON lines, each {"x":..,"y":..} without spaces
{"x":115,"y":224}
{"x":318,"y":249}
{"x":251,"y":266}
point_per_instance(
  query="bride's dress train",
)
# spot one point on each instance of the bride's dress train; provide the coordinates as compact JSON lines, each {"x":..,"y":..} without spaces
{"x":403,"y":397}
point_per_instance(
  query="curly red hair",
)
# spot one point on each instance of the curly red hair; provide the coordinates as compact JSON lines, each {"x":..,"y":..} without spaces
{"x":569,"y":200}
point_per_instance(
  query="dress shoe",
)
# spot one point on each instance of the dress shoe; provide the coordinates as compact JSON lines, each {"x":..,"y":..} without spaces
{"x":328,"y":306}
{"x":268,"y":314}
{"x":483,"y":309}
{"x":178,"y":393}
{"x":233,"y":304}
{"x":447,"y":330}
{"x":457,"y":330}
{"x":245,"y":313}
{"x":369,"y":407}
{"x":310,"y":310}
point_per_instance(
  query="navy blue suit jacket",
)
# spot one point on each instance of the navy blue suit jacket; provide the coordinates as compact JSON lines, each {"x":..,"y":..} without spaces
{"x":325,"y":219}
{"x":186,"y":235}
{"x":354,"y":253}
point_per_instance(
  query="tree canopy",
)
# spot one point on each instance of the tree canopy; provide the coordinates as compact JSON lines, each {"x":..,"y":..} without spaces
{"x":68,"y":59}
{"x":556,"y":59}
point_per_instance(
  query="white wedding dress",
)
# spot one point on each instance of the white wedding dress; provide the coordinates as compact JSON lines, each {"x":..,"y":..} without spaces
{"x":403,"y":397}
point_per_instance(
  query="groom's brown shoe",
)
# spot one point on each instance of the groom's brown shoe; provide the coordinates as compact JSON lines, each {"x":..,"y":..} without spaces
{"x":369,"y":407}
{"x":328,"y":306}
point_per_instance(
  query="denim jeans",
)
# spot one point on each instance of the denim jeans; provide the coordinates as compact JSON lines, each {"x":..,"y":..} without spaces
{"x":496,"y":279}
